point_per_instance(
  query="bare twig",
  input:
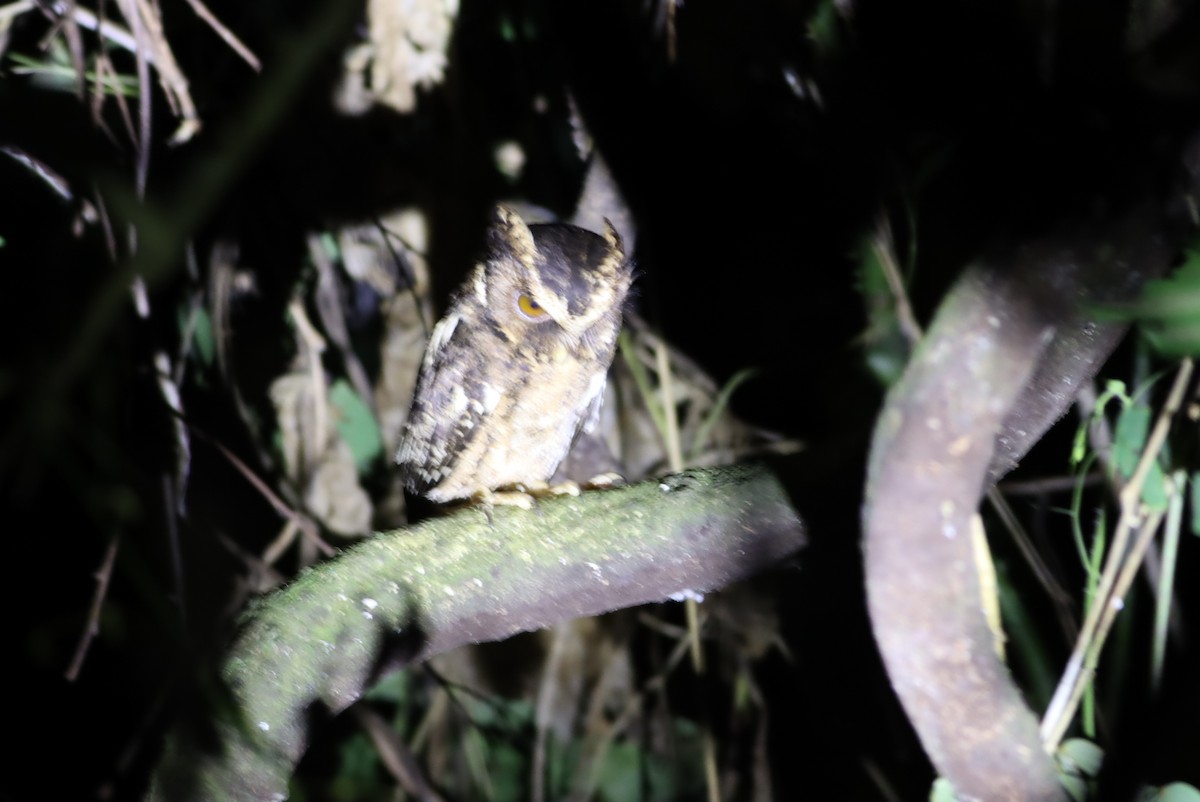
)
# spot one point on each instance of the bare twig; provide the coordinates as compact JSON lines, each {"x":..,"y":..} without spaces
{"x":109,"y":30}
{"x":691,"y":606}
{"x":396,"y":757}
{"x":1164,"y":588}
{"x":315,"y":346}
{"x":1044,"y":485}
{"x":230,"y":39}
{"x":881,"y":243}
{"x":13,"y":10}
{"x":329,"y":308}
{"x":143,"y":46}
{"x":547,"y":690}
{"x":303,"y":522}
{"x":103,"y":574}
{"x":1057,"y":594}
{"x":1081,"y":665}
{"x":587,"y":773}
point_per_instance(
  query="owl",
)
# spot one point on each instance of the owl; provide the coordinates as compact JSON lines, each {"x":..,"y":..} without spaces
{"x":517,"y":366}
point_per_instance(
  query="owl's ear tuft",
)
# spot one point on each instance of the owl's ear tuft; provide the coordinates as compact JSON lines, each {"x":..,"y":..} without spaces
{"x":613,"y":237}
{"x":511,"y":234}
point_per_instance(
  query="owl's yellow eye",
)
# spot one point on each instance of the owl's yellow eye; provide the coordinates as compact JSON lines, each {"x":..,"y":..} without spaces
{"x":529,"y":307}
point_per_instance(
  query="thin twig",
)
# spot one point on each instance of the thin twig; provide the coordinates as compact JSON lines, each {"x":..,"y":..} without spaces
{"x":1129,"y":568}
{"x":316,"y":346}
{"x":230,"y":39}
{"x":692,"y":608}
{"x":303,"y":522}
{"x":396,"y":757}
{"x":143,"y":47}
{"x":333,"y":319}
{"x":881,"y":243}
{"x":1078,"y":673}
{"x":13,"y":10}
{"x":103,"y":574}
{"x":173,"y":545}
{"x":1058,"y":595}
{"x":175,"y":85}
{"x":86,"y":19}
{"x":1164,"y":591}
{"x":547,"y":691}
{"x":70,"y":29}
{"x":1046,"y":485}
{"x":589,"y":766}
{"x":285,"y":538}
{"x":104,"y":66}
{"x":1100,"y":439}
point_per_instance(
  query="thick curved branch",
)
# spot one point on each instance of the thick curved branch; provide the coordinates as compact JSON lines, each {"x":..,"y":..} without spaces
{"x":1002,"y":361}
{"x":1069,"y":275}
{"x":404,"y":596}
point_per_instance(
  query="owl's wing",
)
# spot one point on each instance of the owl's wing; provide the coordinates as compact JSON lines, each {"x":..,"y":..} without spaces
{"x":591,"y":414}
{"x":442,"y":421}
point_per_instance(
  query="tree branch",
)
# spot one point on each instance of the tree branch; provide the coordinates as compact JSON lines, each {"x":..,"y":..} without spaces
{"x":1006,"y":353}
{"x":404,"y":596}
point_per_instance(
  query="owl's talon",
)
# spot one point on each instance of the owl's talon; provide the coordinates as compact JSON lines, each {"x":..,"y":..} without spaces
{"x":490,"y":499}
{"x":605,"y":481}
{"x":539,"y":490}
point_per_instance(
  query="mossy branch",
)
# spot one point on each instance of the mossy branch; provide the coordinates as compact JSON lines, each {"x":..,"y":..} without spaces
{"x":318,"y":644}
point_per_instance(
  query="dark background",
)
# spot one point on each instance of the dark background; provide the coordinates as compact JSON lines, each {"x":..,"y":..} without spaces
{"x":966,"y":125}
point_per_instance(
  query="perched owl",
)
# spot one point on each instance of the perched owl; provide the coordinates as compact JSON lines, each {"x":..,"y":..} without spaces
{"x":517,"y":366}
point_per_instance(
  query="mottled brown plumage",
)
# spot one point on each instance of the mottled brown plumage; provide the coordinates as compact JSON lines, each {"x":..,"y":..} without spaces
{"x":517,"y":365}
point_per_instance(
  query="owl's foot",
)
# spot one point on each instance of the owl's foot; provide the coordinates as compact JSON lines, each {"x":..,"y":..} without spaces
{"x":514,"y":497}
{"x":604,"y":481}
{"x":527,"y":494}
{"x":546,"y":490}
{"x":539,"y":490}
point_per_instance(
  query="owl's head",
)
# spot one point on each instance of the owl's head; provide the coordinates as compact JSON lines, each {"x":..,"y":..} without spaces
{"x":554,"y":275}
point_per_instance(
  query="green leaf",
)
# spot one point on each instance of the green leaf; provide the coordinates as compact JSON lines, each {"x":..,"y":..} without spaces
{"x":1079,"y":762}
{"x":1080,"y":757}
{"x":205,"y":344}
{"x":1176,"y":339}
{"x":706,"y":426}
{"x":393,"y":688}
{"x":358,"y":770}
{"x":356,"y":425}
{"x":621,"y":778}
{"x":824,"y":29}
{"x":1169,"y":310}
{"x":1130,"y":436}
{"x":508,"y":770}
{"x":942,"y":791}
{"x":883,"y":343}
{"x":1176,"y":297}
{"x":62,"y":77}
{"x":1154,"y":489}
{"x":1174,"y":792}
{"x":1133,"y":427}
